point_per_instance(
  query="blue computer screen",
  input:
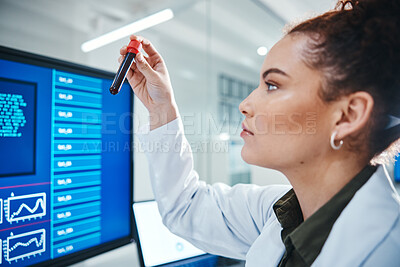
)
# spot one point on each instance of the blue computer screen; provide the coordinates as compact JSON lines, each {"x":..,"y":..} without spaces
{"x":17,"y":127}
{"x":396,"y":170}
{"x":65,"y":162}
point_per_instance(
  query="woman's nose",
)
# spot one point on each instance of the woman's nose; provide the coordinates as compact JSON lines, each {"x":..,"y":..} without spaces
{"x":245,"y":107}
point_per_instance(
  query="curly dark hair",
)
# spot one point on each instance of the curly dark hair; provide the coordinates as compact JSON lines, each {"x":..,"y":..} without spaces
{"x":357,"y":48}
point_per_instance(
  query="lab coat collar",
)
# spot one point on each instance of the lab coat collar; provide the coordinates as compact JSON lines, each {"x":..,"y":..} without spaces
{"x":363,"y":224}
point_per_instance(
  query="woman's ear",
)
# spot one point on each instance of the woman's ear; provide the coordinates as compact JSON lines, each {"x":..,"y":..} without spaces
{"x":356,"y":110}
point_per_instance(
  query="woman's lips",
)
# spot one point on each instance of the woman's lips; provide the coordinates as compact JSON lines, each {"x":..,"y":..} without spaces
{"x":245,"y":132}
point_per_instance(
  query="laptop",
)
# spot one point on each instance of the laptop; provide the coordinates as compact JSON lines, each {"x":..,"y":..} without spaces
{"x":157,"y":246}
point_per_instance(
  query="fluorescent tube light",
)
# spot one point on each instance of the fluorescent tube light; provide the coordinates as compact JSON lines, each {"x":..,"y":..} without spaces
{"x":127,"y":30}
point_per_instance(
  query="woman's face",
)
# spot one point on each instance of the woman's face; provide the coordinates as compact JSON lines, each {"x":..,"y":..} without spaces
{"x":286,"y":123}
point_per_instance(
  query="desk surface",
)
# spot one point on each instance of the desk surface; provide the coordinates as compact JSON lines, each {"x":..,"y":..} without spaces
{"x":123,"y":256}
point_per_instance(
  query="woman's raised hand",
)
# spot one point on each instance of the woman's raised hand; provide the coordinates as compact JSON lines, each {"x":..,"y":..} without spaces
{"x":150,"y":82}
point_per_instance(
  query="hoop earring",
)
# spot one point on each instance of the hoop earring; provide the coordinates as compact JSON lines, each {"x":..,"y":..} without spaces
{"x":335,"y":147}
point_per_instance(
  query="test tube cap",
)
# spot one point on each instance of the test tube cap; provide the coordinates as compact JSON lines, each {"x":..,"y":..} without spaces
{"x":134,"y":46}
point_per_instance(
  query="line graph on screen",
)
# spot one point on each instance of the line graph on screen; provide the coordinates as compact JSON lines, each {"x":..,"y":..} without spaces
{"x":24,"y":245}
{"x":25,"y":207}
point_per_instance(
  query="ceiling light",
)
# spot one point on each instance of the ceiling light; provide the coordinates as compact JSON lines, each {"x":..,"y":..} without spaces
{"x":262,"y":50}
{"x":127,"y":30}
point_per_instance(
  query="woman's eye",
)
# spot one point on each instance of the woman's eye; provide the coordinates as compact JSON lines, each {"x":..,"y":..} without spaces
{"x":271,"y":87}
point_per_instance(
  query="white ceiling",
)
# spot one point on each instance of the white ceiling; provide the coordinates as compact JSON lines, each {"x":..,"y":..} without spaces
{"x":292,"y":10}
{"x":228,"y":28}
{"x":234,"y":27}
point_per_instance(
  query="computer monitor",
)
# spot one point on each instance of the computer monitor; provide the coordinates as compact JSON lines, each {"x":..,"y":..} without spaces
{"x":66,"y":178}
{"x":157,"y":246}
{"x":396,"y":171}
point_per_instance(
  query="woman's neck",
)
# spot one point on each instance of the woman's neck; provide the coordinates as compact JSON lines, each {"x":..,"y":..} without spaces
{"x":317,"y":183}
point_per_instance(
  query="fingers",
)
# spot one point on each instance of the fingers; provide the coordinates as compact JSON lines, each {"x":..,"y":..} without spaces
{"x":144,"y":67}
{"x":148,"y":47}
{"x":120,"y":59}
{"x":141,"y":63}
{"x":123,"y":50}
{"x":133,"y":67}
{"x":136,"y":37}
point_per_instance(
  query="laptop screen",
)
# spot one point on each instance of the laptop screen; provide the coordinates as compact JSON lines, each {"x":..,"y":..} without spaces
{"x":158,"y":244}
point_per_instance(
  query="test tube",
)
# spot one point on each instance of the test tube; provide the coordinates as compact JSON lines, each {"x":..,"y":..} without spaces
{"x":132,"y":50}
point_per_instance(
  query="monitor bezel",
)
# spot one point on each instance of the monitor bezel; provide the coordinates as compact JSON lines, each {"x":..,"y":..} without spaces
{"x":136,"y":233}
{"x":139,"y":246}
{"x":11,"y":54}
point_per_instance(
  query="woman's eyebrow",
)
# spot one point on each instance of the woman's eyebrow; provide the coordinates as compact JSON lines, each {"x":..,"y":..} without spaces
{"x":274,"y":70}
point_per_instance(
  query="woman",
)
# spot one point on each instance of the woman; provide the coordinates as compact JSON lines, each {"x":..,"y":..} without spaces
{"x":341,"y":210}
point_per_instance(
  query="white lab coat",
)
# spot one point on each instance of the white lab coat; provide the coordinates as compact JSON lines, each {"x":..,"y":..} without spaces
{"x":239,"y":221}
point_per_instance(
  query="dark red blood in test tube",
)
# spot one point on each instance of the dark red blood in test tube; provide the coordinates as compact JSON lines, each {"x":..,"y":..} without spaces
{"x":132,"y":49}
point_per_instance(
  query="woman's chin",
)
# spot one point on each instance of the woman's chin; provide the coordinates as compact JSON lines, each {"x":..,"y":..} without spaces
{"x":246,"y":155}
{"x":253,"y":158}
